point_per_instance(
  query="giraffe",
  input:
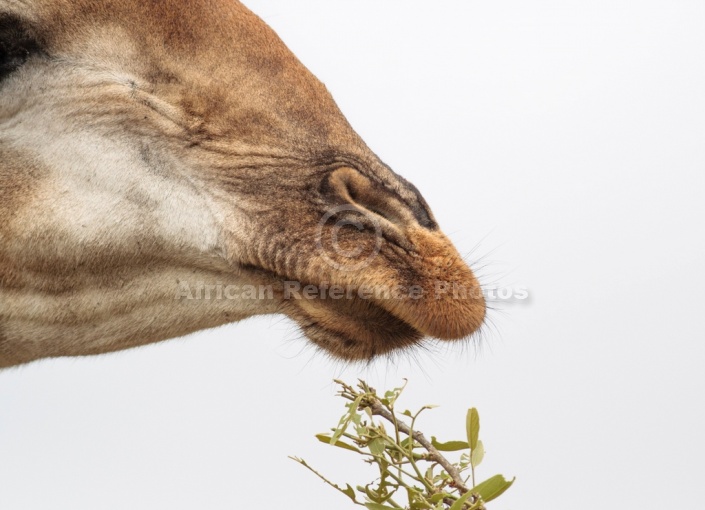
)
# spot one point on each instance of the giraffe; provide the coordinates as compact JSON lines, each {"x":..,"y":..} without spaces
{"x":170,"y":166}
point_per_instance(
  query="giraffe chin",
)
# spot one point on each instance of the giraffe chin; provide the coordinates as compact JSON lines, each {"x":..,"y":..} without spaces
{"x":352,"y":329}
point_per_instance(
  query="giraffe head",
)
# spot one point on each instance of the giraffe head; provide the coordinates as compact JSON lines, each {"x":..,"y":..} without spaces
{"x":149,"y":144}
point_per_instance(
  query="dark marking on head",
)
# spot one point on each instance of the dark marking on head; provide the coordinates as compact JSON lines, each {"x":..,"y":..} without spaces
{"x":17,"y":43}
{"x":420,"y":208}
{"x":418,"y":204}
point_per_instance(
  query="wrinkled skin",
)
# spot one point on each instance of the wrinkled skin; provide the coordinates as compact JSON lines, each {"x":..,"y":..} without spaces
{"x":150,"y":147}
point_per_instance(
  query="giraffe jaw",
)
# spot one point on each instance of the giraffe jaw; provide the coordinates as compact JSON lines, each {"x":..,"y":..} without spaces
{"x":352,"y":328}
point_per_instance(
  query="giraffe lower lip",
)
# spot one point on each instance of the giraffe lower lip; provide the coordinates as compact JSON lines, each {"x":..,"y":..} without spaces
{"x":354,"y":330}
{"x":348,"y":326}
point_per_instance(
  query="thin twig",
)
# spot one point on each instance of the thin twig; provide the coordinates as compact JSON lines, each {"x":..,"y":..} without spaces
{"x":434,"y":455}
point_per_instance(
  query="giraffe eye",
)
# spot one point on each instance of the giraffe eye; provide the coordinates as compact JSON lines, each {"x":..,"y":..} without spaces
{"x":17,"y":44}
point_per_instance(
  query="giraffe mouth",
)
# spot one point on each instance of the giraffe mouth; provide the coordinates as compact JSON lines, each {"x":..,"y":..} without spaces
{"x":352,"y":328}
{"x":343,"y":324}
{"x":439,"y":297}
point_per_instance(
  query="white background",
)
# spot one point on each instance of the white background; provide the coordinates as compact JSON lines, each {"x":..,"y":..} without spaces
{"x":564,"y":139}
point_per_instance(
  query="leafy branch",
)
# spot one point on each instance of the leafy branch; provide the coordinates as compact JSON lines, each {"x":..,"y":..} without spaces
{"x":412,"y":470}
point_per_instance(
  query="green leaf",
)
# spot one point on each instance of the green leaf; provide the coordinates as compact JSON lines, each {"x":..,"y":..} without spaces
{"x":356,"y":418}
{"x":325,"y":438}
{"x":449,"y":446}
{"x":378,"y":506}
{"x":460,"y":502}
{"x":492,"y":487}
{"x":346,"y":419}
{"x":349,"y":492}
{"x":405,"y":443}
{"x":376,"y":446}
{"x":477,"y":454}
{"x":472,"y":426}
{"x":391,"y":396}
{"x":416,"y":499}
{"x":438,"y":497}
{"x":372,"y":494}
{"x":362,"y":430}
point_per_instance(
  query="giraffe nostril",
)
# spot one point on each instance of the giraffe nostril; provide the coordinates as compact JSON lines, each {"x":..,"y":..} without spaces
{"x":374,"y":205}
{"x":355,"y":188}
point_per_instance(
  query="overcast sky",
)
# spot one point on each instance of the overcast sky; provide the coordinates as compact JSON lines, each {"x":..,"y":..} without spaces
{"x":561,"y":144}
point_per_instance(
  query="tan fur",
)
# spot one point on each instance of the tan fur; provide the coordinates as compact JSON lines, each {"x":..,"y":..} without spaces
{"x":152,"y":143}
